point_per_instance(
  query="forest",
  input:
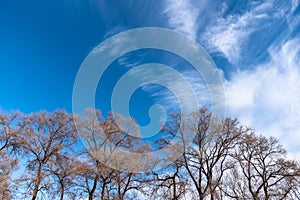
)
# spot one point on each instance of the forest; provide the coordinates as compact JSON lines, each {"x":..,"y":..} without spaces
{"x":41,"y":158}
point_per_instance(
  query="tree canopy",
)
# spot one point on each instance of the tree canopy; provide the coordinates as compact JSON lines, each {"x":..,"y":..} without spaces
{"x":42,"y":157}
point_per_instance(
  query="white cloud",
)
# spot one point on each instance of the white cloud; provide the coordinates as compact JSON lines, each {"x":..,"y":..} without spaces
{"x":268,"y":97}
{"x":292,"y":18}
{"x":113,"y":31}
{"x":185,"y":87}
{"x":295,"y":4}
{"x":182,"y":16}
{"x":227,"y":35}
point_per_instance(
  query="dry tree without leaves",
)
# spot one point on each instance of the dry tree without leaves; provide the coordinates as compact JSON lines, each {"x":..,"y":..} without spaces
{"x":222,"y":159}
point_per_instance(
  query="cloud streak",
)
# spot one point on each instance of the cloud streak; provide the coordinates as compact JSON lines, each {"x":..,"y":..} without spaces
{"x":182,"y":16}
{"x":268,"y":97}
{"x":189,"y":80}
{"x":228,"y":34}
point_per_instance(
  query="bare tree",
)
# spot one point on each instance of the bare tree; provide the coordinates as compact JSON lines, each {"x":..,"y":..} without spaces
{"x":98,"y":170}
{"x":44,"y":136}
{"x":90,"y":179}
{"x":62,"y":169}
{"x":262,"y":172}
{"x":171,"y":183}
{"x":92,"y":176}
{"x":205,"y":158}
{"x":8,"y":162}
{"x":219,"y":159}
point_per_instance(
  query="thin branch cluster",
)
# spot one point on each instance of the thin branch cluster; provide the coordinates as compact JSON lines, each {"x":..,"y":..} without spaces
{"x":42,"y":157}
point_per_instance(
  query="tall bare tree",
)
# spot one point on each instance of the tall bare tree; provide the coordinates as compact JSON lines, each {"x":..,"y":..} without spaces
{"x":205,"y":159}
{"x":263,"y":172}
{"x":44,"y":136}
{"x":62,"y":169}
{"x":221,"y":159}
{"x":8,"y":143}
{"x":171,"y":183}
{"x":99,"y":171}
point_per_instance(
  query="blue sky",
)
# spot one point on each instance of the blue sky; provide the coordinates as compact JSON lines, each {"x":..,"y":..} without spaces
{"x":255,"y":44}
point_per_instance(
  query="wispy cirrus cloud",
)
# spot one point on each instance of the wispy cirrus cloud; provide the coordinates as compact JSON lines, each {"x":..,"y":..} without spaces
{"x":295,"y":5}
{"x":228,"y":34}
{"x":268,"y":97}
{"x":182,"y":16}
{"x":265,"y":96}
{"x":181,"y":89}
{"x":293,"y":19}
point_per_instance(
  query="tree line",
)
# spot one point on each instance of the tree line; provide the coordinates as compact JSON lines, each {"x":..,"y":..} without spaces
{"x":41,"y":157}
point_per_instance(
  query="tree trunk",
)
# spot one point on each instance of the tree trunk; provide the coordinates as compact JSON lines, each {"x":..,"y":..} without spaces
{"x":37,"y":182}
{"x":62,"y":185}
{"x":91,"y":193}
{"x":174,"y":188}
{"x":103,"y":191}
